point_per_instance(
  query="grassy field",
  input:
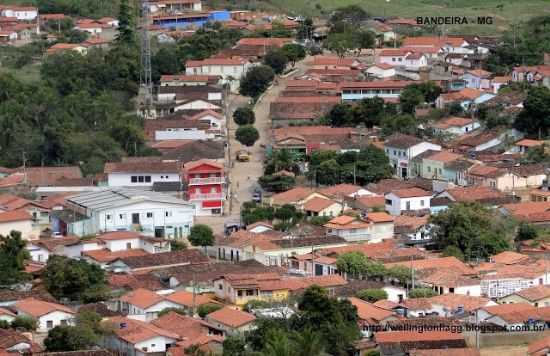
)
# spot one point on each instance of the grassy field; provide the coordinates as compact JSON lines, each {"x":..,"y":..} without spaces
{"x":511,"y":11}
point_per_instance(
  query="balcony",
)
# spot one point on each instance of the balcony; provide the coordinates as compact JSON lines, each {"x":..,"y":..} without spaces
{"x":209,"y":180}
{"x":206,"y":196}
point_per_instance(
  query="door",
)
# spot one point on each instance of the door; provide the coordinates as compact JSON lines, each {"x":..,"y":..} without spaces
{"x":403,"y":172}
{"x":135,"y":218}
{"x":318,"y":270}
{"x":159,"y":231}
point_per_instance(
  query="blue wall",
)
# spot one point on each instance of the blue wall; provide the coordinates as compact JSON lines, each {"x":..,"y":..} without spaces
{"x":199,"y":20}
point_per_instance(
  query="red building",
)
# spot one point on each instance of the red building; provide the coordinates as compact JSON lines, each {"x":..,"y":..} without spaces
{"x":205,"y":186}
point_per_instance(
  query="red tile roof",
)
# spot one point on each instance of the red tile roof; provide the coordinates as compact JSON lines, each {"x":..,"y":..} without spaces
{"x":536,"y":293}
{"x":430,"y":263}
{"x":231,"y":317}
{"x":141,"y":298}
{"x":186,"y":298}
{"x":135,"y":331}
{"x":452,"y":122}
{"x":106,"y":256}
{"x":411,"y":193}
{"x":216,"y":61}
{"x":260,"y":41}
{"x":394,"y":52}
{"x":15,"y":215}
{"x":291,"y":196}
{"x":369,"y":312}
{"x":318,"y":204}
{"x":509,"y":258}
{"x":37,"y":308}
{"x":118,"y":235}
{"x":474,"y":193}
{"x":540,"y":347}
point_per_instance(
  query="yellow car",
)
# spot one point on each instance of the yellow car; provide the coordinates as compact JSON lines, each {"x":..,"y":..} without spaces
{"x":243,"y":156}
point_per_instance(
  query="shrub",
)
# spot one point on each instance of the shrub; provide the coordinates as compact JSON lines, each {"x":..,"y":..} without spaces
{"x":372,"y":295}
{"x":205,"y":309}
{"x":422,"y":293}
{"x":244,"y":116}
{"x":24,"y":322}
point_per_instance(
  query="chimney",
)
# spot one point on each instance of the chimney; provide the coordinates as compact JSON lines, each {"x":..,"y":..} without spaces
{"x":547,"y":58}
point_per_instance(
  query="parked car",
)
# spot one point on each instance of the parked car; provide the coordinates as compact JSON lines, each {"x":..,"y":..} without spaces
{"x":243,"y":156}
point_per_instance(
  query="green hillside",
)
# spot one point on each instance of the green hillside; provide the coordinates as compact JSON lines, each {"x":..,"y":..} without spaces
{"x":504,"y":12}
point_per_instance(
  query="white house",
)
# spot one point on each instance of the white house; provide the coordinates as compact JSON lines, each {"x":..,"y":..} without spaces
{"x":231,"y":321}
{"x":48,"y":315}
{"x":408,"y":199}
{"x":415,"y":61}
{"x":136,"y":338}
{"x":477,"y":79}
{"x":375,"y":227}
{"x":455,"y":126}
{"x":134,"y":174}
{"x":128,"y":240}
{"x":401,"y":149}
{"x":510,"y":279}
{"x":229,"y":69}
{"x":143,"y":304}
{"x":394,"y":57}
{"x":17,"y":220}
{"x":116,"y":209}
{"x":22,"y":13}
{"x":381,"y":71}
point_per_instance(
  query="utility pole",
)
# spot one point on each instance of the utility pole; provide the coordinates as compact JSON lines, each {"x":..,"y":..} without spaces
{"x":145,"y":75}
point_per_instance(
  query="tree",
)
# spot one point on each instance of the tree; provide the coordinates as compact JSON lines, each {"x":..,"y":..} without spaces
{"x":357,"y":265}
{"x":168,"y":310}
{"x":340,"y":115}
{"x":176,"y":245}
{"x":24,"y":322}
{"x":410,"y":97}
{"x":244,"y":116}
{"x":205,"y":309}
{"x":126,"y":34}
{"x":372,"y":295}
{"x":305,"y":29}
{"x":234,"y":345}
{"x":369,"y":111}
{"x":526,"y":231}
{"x":256,"y":80}
{"x":328,"y":172}
{"x":247,"y":135}
{"x":475,"y":230}
{"x":286,"y":212}
{"x":74,"y":279}
{"x":277,"y":182}
{"x":13,"y":255}
{"x":201,"y":235}
{"x":404,"y":123}
{"x":534,"y":119}
{"x":70,"y":338}
{"x":277,"y":60}
{"x":354,"y":15}
{"x":293,"y":52}
{"x":166,"y":61}
{"x":454,"y":251}
{"x":422,"y":293}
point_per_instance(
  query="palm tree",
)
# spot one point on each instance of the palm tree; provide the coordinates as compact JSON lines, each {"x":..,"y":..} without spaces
{"x":308,"y":343}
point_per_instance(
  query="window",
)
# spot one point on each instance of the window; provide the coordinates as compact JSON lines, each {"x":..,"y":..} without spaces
{"x":122,"y":216}
{"x":408,"y":205}
{"x":149,"y":215}
{"x":147,"y":179}
{"x":128,"y":245}
{"x":422,"y":202}
{"x":108,"y":217}
{"x":220,"y":287}
{"x":134,"y":179}
{"x":388,"y":202}
{"x":64,"y":322}
{"x":168,"y":214}
{"x":429,"y":169}
{"x":140,"y":179}
{"x":49,"y":324}
{"x":240,"y":293}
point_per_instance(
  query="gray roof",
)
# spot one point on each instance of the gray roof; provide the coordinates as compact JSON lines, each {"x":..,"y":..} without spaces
{"x":113,"y":197}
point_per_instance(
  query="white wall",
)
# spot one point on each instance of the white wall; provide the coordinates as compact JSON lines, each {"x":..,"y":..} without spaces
{"x":400,"y":204}
{"x":155,"y":344}
{"x":125,"y":179}
{"x":56,"y":317}
{"x":21,"y":15}
{"x":178,"y":216}
{"x":23,"y":226}
{"x":182,"y":134}
{"x":38,"y":254}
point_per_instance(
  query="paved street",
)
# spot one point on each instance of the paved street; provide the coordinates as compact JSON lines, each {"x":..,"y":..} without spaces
{"x":243,"y":176}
